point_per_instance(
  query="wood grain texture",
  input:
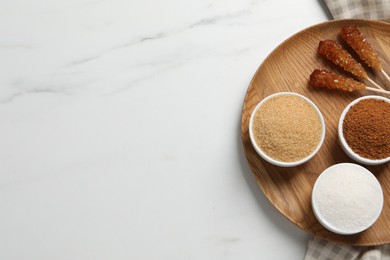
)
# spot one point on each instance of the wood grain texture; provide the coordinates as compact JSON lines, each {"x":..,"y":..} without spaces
{"x":288,"y":68}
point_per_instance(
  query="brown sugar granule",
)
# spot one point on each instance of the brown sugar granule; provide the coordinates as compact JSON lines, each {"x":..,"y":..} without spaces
{"x":366,"y":128}
{"x":287,"y":128}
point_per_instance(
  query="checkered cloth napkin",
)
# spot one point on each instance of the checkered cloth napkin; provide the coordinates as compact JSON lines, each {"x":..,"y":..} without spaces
{"x":367,"y":9}
{"x":326,"y":250}
{"x":320,"y":249}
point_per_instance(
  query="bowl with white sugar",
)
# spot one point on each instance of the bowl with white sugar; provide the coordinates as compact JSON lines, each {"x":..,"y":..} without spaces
{"x":286,"y":129}
{"x":347,"y":199}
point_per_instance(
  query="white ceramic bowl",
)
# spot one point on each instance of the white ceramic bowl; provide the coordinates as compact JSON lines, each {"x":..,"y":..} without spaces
{"x":270,"y":159}
{"x":344,"y":143}
{"x":339,"y":202}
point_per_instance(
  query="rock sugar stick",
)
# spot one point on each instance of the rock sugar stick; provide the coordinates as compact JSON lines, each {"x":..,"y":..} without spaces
{"x":321,"y":78}
{"x":352,"y":35}
{"x":333,"y":51}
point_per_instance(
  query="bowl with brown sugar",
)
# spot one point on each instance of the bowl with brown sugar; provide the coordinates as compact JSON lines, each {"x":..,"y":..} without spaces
{"x":364,"y":130}
{"x":286,"y":129}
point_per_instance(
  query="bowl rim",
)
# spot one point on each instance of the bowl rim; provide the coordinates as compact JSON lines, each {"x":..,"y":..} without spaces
{"x":277,"y":162}
{"x":325,"y":223}
{"x":344,"y":143}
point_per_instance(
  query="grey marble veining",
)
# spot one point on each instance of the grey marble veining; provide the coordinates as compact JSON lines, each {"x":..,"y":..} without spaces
{"x":120,"y":129}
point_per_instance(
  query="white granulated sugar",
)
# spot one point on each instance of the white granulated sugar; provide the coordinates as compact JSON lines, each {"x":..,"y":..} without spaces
{"x":347,"y":198}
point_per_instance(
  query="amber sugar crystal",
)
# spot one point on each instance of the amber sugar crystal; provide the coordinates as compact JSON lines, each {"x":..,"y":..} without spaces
{"x":366,"y":128}
{"x":287,"y":128}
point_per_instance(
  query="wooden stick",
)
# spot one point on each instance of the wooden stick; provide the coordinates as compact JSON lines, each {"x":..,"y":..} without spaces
{"x":386,"y":75}
{"x":382,"y":91}
{"x":374,"y":83}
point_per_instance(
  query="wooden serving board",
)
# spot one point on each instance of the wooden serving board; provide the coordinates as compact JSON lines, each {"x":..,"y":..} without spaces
{"x":288,"y":68}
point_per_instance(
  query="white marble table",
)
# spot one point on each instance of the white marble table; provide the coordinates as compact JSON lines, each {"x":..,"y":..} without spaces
{"x":120,"y":129}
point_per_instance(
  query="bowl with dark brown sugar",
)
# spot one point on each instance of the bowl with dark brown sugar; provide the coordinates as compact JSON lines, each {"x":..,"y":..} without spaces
{"x":286,"y":129}
{"x":364,"y":130}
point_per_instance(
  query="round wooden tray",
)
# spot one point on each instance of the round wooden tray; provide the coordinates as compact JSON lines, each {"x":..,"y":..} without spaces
{"x":288,"y":68}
